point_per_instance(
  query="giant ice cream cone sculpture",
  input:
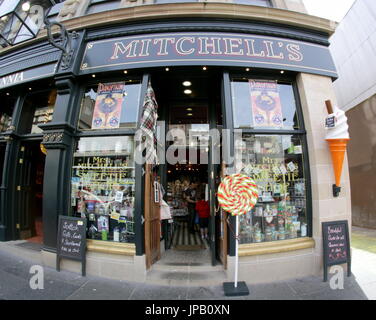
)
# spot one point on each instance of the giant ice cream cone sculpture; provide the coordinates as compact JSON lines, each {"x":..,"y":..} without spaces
{"x":337,"y":137}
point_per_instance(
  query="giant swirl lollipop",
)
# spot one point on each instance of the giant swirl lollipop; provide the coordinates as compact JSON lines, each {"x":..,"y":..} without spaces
{"x":237,"y":194}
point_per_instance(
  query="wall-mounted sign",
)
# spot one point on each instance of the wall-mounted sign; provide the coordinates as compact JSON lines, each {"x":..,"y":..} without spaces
{"x":330,"y":121}
{"x":336,"y":244}
{"x":196,"y":48}
{"x":27,"y":75}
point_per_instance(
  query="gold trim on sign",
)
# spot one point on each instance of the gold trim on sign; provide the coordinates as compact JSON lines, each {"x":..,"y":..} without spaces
{"x":253,"y":249}
{"x":127,"y":249}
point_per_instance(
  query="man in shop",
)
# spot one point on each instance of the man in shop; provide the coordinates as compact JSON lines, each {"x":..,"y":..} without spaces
{"x":190,"y":196}
{"x":203,"y":211}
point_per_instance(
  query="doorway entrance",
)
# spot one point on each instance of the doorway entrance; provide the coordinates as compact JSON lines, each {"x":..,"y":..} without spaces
{"x":189,"y":103}
{"x":29,"y":196}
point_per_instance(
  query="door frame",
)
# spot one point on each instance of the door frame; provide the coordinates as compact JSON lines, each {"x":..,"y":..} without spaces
{"x":213,"y":168}
{"x":18,"y":227}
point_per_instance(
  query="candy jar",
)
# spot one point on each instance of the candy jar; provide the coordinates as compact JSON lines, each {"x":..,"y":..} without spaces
{"x":116,"y":234}
{"x":268,"y":234}
{"x":281,"y":234}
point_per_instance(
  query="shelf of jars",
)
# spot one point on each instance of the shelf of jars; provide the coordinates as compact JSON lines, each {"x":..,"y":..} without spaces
{"x":103,"y":192}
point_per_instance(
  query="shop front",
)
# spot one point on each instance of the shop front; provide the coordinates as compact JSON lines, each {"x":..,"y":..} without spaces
{"x":233,"y":95}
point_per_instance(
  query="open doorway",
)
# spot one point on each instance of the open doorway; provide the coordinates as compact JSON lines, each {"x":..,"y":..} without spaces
{"x":189,"y":105}
{"x":30,"y":174}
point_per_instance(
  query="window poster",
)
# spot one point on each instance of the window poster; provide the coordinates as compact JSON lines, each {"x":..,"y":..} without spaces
{"x":265,"y":103}
{"x":107,"y":109}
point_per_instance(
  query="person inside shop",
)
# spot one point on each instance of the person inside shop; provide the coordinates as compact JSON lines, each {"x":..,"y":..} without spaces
{"x":190,"y":196}
{"x":203,"y":211}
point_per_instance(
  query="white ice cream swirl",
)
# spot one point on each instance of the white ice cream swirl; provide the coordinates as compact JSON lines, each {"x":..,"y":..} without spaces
{"x":341,"y":130}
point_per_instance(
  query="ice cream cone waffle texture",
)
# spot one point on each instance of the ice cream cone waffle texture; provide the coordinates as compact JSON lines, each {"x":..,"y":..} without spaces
{"x":237,"y":194}
{"x":337,"y":151}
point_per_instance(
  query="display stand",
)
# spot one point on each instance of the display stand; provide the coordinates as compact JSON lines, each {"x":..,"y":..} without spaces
{"x":236,"y":288}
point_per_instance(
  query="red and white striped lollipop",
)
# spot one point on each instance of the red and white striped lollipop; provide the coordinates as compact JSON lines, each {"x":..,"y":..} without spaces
{"x":237,"y":194}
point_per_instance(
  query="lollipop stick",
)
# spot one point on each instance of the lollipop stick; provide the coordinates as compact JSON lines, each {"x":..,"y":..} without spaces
{"x":236,"y":251}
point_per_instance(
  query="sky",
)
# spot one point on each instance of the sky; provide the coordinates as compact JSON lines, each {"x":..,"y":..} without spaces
{"x":329,"y":9}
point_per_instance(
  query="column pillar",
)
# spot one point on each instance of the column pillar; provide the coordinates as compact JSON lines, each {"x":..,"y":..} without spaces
{"x":59,"y":142}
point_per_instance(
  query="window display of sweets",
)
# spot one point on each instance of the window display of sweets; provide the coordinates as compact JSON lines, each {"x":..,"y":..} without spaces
{"x":103,"y":191}
{"x":280,"y":212}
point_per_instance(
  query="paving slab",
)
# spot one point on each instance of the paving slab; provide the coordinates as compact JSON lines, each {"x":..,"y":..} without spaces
{"x":315,"y":285}
{"x":271,"y":291}
{"x":17,"y":288}
{"x":103,"y":289}
{"x":354,"y":294}
{"x":187,"y":285}
{"x":209,"y":293}
{"x":151,"y":292}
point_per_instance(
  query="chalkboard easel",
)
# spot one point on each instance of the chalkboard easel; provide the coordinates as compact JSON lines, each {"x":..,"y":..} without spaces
{"x":71,"y":241}
{"x":336,"y":244}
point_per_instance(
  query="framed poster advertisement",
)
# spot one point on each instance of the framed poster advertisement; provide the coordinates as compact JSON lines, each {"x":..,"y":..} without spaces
{"x":265,"y":103}
{"x":108,"y":106}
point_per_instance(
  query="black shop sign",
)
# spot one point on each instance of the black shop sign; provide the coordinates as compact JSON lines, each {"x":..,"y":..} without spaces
{"x":71,"y":241}
{"x":206,"y":48}
{"x":336,"y":244}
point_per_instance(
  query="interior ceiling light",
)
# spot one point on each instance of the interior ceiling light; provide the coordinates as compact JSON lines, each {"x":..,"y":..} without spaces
{"x":26,"y":6}
{"x":187,"y":83}
{"x":187,"y":91}
{"x":190,"y":114}
{"x":189,"y":109}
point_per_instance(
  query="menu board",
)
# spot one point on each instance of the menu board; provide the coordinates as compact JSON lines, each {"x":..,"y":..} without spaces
{"x":71,"y":240}
{"x":336,"y":244}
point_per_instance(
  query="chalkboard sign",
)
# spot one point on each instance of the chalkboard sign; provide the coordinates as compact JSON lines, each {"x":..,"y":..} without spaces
{"x":336,"y":245}
{"x":71,"y":240}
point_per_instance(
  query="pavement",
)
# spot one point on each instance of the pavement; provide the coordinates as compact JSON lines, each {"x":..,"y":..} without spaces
{"x":15,"y":277}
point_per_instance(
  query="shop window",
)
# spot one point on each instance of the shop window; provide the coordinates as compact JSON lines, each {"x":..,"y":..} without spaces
{"x":38,"y":109}
{"x":110,"y":106}
{"x":103,"y":187}
{"x":263,"y":104}
{"x":102,"y":5}
{"x":6,"y":111}
{"x":276,"y":163}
